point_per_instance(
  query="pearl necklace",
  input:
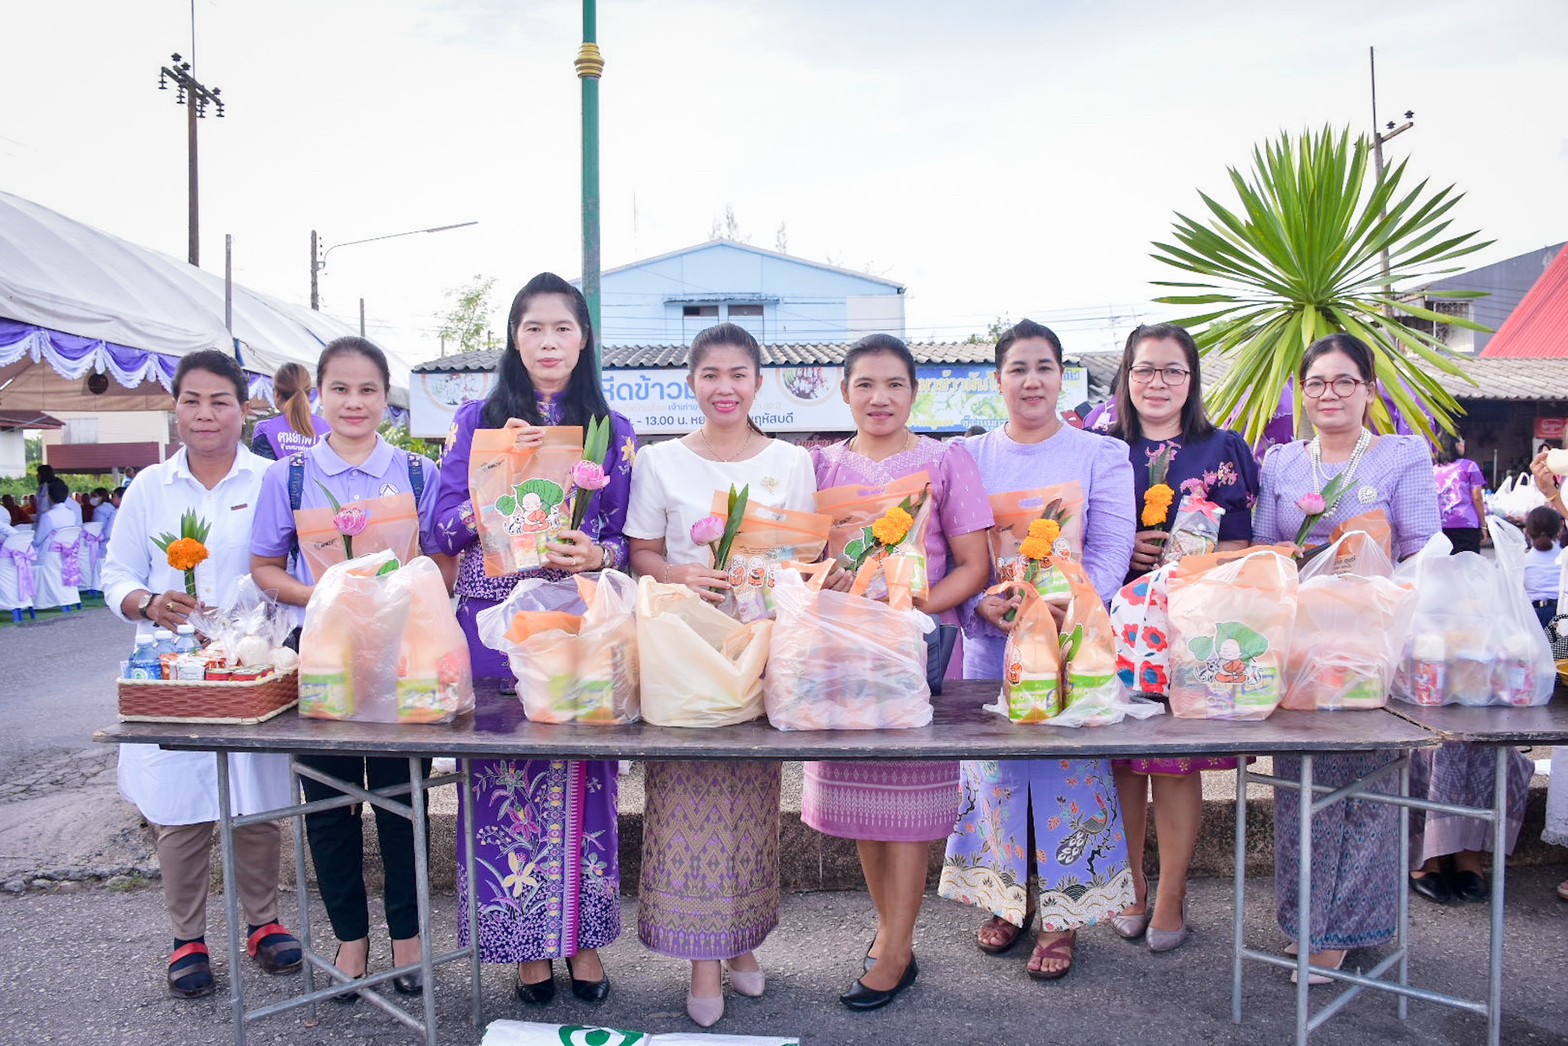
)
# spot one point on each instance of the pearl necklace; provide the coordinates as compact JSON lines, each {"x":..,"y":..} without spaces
{"x":1315,"y":452}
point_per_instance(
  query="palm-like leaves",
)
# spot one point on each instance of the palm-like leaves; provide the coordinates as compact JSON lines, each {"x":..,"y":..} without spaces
{"x":1301,"y":260}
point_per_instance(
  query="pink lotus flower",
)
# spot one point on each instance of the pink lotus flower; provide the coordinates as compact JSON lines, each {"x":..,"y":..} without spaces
{"x":707,"y":530}
{"x":589,"y":475}
{"x":351,"y":520}
{"x":1312,"y":504}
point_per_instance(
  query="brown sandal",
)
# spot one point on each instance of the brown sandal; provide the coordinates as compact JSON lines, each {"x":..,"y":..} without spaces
{"x":996,"y":922}
{"x":1055,"y":951}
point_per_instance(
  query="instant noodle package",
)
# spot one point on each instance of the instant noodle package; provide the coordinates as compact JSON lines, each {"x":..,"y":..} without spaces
{"x":381,"y":643}
{"x":572,"y":644}
{"x":521,"y":495}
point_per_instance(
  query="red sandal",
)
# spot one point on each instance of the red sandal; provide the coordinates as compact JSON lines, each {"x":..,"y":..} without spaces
{"x":275,"y":948}
{"x":1055,"y":951}
{"x":194,"y":979}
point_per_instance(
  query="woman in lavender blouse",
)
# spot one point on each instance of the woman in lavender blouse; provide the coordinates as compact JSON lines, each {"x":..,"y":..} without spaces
{"x":1070,"y":804}
{"x":1355,"y":843}
{"x":545,"y":830}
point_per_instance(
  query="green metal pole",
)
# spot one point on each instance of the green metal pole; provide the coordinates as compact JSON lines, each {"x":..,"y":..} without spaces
{"x":590,"y":66}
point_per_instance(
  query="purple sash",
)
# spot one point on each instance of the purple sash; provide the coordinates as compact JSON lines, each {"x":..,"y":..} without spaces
{"x":26,"y":584}
{"x":70,"y":562}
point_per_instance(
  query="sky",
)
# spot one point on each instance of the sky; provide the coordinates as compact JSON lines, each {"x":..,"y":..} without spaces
{"x":999,"y":159}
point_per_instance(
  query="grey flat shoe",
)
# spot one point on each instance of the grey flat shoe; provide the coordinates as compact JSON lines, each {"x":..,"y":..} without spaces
{"x":1131,"y":927}
{"x":1169,"y":940}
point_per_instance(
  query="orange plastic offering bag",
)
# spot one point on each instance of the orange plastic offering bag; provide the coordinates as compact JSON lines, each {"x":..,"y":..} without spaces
{"x":767,"y":538}
{"x":1231,"y":617}
{"x":1032,"y":660}
{"x":857,"y":513}
{"x":1015,"y":512}
{"x":521,"y":494}
{"x":838,"y":661}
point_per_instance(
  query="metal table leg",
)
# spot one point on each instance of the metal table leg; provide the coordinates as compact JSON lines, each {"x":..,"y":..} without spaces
{"x":422,"y":892}
{"x":476,"y":997}
{"x":1304,"y":900}
{"x":302,"y":887}
{"x":1402,"y":888}
{"x":1240,"y":918}
{"x":231,"y":897}
{"x":1494,"y":994}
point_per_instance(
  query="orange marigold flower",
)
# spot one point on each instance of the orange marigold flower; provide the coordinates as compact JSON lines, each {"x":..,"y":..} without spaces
{"x":892,"y":527}
{"x":1047,"y":530}
{"x":1157,"y":504}
{"x":186,"y":554}
{"x":1035,"y":548}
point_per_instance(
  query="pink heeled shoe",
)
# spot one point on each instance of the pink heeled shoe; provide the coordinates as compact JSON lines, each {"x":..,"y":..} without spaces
{"x":750,"y":983}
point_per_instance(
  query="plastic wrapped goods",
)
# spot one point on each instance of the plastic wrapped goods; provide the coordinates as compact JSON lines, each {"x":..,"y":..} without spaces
{"x":521,"y":495}
{"x":767,"y":538}
{"x":856,"y":509}
{"x":839,"y":661}
{"x":1231,"y":619}
{"x":1015,"y":512}
{"x":1032,"y":659}
{"x":381,"y":643}
{"x":572,"y":644}
{"x":1351,"y":619}
{"x":697,"y":665}
{"x":1195,"y":531}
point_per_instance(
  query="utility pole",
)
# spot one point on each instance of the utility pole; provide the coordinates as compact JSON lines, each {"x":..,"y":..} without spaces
{"x":318,"y":256}
{"x":1378,"y":138}
{"x":590,"y":67}
{"x":195,"y":96}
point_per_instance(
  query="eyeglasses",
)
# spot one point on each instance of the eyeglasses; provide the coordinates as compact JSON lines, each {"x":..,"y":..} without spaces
{"x":1172,"y":376}
{"x":1313,"y":388}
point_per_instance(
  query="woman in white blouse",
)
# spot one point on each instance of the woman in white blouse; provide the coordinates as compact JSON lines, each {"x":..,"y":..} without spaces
{"x":177,"y":792}
{"x":710,"y":855}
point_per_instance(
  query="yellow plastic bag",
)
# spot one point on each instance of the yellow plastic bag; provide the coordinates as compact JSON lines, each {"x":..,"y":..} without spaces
{"x":698,"y":666}
{"x":521,"y":494}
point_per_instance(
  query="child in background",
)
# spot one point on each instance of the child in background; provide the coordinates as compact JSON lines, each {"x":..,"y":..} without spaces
{"x":1542,"y":563}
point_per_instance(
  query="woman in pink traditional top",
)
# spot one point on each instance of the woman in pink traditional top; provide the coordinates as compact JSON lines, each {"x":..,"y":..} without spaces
{"x":895,"y":810}
{"x":1159,"y":413}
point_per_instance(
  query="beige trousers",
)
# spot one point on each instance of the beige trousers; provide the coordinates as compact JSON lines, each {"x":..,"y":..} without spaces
{"x":185,"y":857}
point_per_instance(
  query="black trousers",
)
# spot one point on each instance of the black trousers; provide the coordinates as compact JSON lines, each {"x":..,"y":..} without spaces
{"x":337,"y":846}
{"x":1465,"y":539}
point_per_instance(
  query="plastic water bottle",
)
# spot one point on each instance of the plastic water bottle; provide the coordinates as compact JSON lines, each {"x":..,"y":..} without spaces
{"x":144,"y":663}
{"x":163,"y":641}
{"x":185,"y":641}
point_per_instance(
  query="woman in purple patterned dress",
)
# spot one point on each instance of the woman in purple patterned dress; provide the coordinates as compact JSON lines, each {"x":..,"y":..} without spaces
{"x":894,"y":810}
{"x":1461,"y":493}
{"x":544,"y":830}
{"x":1356,"y":847}
{"x":1159,"y":411}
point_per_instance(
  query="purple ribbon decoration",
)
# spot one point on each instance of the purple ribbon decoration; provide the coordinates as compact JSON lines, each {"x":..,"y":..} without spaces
{"x":26,"y":583}
{"x":70,"y":562}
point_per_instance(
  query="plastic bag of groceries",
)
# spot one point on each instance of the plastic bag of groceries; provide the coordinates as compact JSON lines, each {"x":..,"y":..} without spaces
{"x":1015,"y":512}
{"x":1351,"y":619}
{"x":768,"y":538}
{"x":857,"y":510}
{"x":840,"y":661}
{"x":1474,"y":639}
{"x":697,"y":665}
{"x":381,"y":643}
{"x":521,"y":494}
{"x":572,"y":644}
{"x":1140,"y":618}
{"x":1231,"y":616}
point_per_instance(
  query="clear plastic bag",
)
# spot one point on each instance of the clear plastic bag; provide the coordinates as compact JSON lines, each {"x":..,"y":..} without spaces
{"x":1231,"y":620}
{"x":838,"y":661}
{"x":697,"y":666}
{"x":1195,"y":530}
{"x":1351,"y":619}
{"x":572,"y":644}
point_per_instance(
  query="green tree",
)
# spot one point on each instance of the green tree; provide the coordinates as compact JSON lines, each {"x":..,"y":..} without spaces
{"x":399,"y":437}
{"x":467,"y":318}
{"x":993,"y":332}
{"x":1302,"y":259}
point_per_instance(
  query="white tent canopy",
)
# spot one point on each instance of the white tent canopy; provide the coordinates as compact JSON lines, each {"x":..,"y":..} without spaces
{"x":59,"y":275}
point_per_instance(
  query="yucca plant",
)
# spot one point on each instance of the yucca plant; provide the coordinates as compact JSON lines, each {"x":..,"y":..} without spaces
{"x":1301,"y":259}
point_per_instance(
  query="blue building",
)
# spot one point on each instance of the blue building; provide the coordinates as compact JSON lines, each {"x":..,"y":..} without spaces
{"x":781,"y":299}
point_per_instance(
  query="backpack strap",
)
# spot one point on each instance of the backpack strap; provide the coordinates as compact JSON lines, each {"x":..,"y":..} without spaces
{"x":416,"y":477}
{"x":296,"y":495}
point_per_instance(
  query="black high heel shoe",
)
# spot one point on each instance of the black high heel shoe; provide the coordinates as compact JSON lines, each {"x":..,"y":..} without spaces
{"x":537,"y":994}
{"x":862,"y":998}
{"x":350,"y":995}
{"x":588,"y":991}
{"x":407,"y":983}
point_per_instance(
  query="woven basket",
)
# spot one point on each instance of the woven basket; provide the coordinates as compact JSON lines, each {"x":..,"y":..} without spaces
{"x":181,"y":701}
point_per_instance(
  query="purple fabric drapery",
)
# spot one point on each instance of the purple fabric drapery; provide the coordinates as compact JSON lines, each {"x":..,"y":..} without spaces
{"x":70,"y":562}
{"x":26,"y":583}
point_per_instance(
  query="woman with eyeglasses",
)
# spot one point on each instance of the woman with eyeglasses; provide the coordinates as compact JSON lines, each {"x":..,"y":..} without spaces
{"x":1160,"y":415}
{"x":1355,"y":843}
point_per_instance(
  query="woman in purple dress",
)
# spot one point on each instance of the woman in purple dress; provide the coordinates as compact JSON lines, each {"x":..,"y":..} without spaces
{"x":1461,"y":493}
{"x":895,"y":810}
{"x":1159,"y":411}
{"x":1356,"y":847}
{"x":544,"y":830}
{"x":1058,"y":820}
{"x":294,"y":428}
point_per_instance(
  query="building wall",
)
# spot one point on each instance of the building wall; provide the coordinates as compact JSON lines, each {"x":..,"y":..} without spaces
{"x":110,"y":426}
{"x":666,"y":301}
{"x":1505,"y":283}
{"x":13,"y":453}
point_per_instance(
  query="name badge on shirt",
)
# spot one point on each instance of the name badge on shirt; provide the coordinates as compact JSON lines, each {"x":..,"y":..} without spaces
{"x":237,"y":508}
{"x":388,"y":490}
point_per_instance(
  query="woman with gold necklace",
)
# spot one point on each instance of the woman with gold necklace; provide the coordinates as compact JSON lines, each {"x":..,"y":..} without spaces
{"x":1356,"y":845}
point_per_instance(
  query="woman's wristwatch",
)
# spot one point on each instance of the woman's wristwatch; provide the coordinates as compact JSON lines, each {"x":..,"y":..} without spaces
{"x":611,"y":559}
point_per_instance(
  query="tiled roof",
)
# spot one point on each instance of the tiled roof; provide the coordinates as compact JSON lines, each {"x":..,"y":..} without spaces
{"x":617,"y":357}
{"x":1538,"y":327}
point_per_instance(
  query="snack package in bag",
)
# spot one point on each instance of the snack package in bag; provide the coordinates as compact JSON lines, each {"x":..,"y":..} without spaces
{"x":1092,"y":689}
{"x":871,"y":521}
{"x":1032,"y":660}
{"x":697,"y":665}
{"x":1231,"y":620}
{"x":1351,"y":620}
{"x":1015,"y":512}
{"x":838,"y":661}
{"x":572,"y":644}
{"x":521,"y":494}
{"x":381,"y":644}
{"x":1195,"y":531}
{"x":767,"y":538}
{"x":1140,"y":619}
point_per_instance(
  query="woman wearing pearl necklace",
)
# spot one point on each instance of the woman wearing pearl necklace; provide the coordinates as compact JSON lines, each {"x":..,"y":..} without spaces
{"x":1356,"y":843}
